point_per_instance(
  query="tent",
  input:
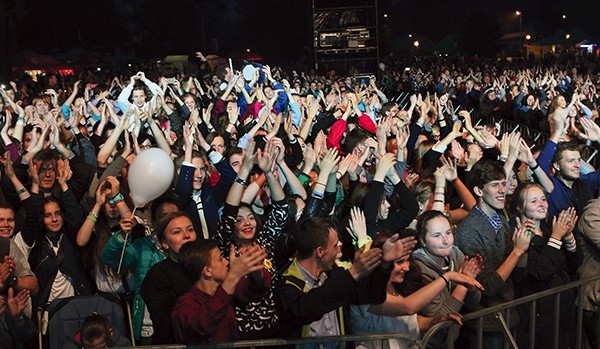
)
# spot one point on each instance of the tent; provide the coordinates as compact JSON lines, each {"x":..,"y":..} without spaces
{"x":31,"y":60}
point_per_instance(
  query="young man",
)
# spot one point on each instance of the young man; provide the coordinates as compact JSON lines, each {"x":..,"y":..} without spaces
{"x":484,"y":232}
{"x":313,"y":290}
{"x":571,"y":188}
{"x":206,"y":313}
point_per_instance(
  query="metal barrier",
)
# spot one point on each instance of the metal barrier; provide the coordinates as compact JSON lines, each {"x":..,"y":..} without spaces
{"x":502,"y":309}
{"x":266,"y":343}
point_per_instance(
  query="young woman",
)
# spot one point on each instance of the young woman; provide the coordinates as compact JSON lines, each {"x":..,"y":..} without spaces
{"x":240,"y":226}
{"x":404,"y":299}
{"x":552,"y":259}
{"x":376,"y":204}
{"x":55,"y":257}
{"x":140,"y":255}
{"x":165,"y":282}
{"x":437,"y":256}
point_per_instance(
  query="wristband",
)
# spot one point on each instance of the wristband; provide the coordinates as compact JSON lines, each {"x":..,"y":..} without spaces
{"x":93,"y":219}
{"x":317,"y":194}
{"x":323,"y":184}
{"x":442,"y":201}
{"x":444,"y":278}
{"x":241,"y":181}
{"x":21,"y":191}
{"x":534,"y":167}
{"x":362,"y":242}
{"x":117,"y":198}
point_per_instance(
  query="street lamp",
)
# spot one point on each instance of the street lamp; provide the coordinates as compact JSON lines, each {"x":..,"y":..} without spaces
{"x":385,"y":15}
{"x":519,"y":14}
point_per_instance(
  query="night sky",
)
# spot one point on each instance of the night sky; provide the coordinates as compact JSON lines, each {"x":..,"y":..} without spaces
{"x":276,"y":29}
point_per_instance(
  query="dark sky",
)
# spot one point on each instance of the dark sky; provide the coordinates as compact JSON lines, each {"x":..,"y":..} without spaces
{"x":273,"y":28}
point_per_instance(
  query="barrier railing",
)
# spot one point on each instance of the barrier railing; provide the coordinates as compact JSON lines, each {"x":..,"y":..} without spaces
{"x":501,"y":310}
{"x":312,"y":342}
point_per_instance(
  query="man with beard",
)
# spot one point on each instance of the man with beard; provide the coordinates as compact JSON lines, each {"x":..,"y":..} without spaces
{"x":571,"y":187}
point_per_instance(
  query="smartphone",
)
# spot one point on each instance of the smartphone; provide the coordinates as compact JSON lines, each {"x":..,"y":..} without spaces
{"x":171,"y":81}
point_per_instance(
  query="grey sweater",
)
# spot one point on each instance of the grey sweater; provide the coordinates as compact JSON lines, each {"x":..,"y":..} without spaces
{"x":476,"y":236}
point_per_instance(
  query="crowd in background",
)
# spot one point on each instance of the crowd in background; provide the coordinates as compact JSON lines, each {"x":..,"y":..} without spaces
{"x":304,"y":205}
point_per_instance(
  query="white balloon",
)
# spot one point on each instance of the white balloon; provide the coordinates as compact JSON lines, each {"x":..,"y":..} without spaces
{"x":150,"y":175}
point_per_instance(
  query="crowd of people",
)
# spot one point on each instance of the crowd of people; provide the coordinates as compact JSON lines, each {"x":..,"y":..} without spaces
{"x":304,"y":205}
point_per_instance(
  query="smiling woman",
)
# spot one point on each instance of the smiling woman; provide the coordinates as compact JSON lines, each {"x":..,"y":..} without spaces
{"x":551,"y":261}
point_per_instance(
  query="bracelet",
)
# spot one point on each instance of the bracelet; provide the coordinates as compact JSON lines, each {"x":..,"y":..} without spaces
{"x":21,"y":191}
{"x":93,"y":214}
{"x":442,"y":201}
{"x":116,"y":199}
{"x":534,"y":167}
{"x":241,"y":181}
{"x":317,"y":194}
{"x":321,"y":184}
{"x":443,"y":277}
{"x":93,"y":219}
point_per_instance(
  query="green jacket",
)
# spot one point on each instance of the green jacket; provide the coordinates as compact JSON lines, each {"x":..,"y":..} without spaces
{"x":141,"y":255}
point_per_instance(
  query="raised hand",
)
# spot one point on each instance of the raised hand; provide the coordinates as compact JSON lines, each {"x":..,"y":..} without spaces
{"x":365,"y":262}
{"x":266,"y":158}
{"x":472,"y":266}
{"x":8,"y":166}
{"x":396,"y":248}
{"x":383,"y":166}
{"x":17,"y":303}
{"x":358,"y":229}
{"x":591,"y":130}
{"x":449,"y":169}
{"x":463,"y":279}
{"x":250,"y":259}
{"x":249,"y":156}
{"x":329,"y":161}
{"x":564,"y":223}
{"x":102,"y":192}
{"x":521,"y":238}
{"x":64,"y":172}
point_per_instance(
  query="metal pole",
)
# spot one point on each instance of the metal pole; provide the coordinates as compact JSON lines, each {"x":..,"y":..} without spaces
{"x":506,"y":329}
{"x":532,"y":318}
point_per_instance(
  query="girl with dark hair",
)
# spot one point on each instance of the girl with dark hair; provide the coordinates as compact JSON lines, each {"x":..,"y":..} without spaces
{"x":240,"y":226}
{"x":55,"y":256}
